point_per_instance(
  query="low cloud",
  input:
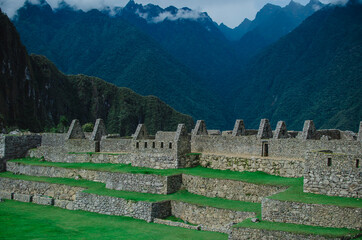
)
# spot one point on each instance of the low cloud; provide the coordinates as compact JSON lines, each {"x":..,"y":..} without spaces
{"x":180,"y":14}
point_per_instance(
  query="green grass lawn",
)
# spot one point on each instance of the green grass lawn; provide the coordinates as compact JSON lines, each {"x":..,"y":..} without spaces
{"x":294,"y":193}
{"x":20,"y":220}
{"x":298,"y":228}
{"x":183,"y":195}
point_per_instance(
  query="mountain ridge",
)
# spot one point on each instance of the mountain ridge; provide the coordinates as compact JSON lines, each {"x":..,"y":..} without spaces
{"x":34,"y":94}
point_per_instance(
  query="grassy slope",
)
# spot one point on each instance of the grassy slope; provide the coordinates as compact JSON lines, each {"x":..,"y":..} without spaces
{"x":298,"y":228}
{"x":294,"y":193}
{"x":30,"y":221}
{"x":184,"y":196}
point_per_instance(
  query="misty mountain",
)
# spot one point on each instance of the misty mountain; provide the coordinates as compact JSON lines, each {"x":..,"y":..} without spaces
{"x":34,"y":94}
{"x":189,"y":36}
{"x":315,"y":72}
{"x":94,"y":43}
{"x":270,"y":24}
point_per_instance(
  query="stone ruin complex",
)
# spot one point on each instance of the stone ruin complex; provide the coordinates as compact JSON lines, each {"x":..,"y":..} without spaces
{"x":328,"y":160}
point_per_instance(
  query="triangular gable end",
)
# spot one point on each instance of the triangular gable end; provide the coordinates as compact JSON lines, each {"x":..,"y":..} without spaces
{"x":265,"y":130}
{"x":75,"y":131}
{"x":99,"y":130}
{"x":141,"y":132}
{"x":281,"y":130}
{"x":239,"y":128}
{"x":200,"y":128}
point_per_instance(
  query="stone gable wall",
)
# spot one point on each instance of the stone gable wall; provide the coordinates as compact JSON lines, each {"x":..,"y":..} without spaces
{"x":311,"y":214}
{"x":229,"y":189}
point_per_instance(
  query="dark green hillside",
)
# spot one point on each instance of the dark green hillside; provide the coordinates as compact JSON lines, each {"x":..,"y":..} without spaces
{"x":315,"y":72}
{"x":197,"y":43}
{"x":96,"y":44}
{"x":34,"y":94}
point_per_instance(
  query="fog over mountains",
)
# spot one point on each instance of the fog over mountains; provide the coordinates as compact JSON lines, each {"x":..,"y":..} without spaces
{"x":282,"y":65}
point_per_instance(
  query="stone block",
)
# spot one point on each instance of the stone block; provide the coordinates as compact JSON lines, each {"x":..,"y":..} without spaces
{"x":43,"y":200}
{"x":64,"y":204}
{"x":22,"y":197}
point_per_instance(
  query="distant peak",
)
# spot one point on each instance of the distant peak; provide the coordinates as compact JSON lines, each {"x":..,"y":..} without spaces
{"x":292,"y":3}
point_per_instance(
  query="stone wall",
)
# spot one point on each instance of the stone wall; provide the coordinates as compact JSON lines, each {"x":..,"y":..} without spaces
{"x":13,"y":146}
{"x":116,"y":145}
{"x":250,"y":233}
{"x":284,"y":168}
{"x":229,"y":189}
{"x":121,"y":207}
{"x":210,"y":218}
{"x":175,"y":224}
{"x":2,"y":146}
{"x":57,"y":191}
{"x":80,"y":145}
{"x":281,"y":148}
{"x":53,"y":139}
{"x":311,"y":214}
{"x":333,"y":174}
{"x":145,"y":183}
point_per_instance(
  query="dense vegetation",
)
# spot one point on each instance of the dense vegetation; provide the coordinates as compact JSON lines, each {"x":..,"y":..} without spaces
{"x":95,"y":44}
{"x":312,"y":73}
{"x":35,"y":94}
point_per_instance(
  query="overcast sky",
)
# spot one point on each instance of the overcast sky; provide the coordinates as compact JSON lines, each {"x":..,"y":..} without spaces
{"x":230,"y":12}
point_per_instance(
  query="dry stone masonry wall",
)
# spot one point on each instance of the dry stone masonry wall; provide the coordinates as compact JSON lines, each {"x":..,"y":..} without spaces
{"x":121,"y":207}
{"x":210,"y":218}
{"x":13,"y":146}
{"x":333,"y":174}
{"x":249,"y":233}
{"x":284,"y":168}
{"x":311,"y":214}
{"x":229,"y":189}
{"x":57,"y":191}
{"x":145,"y":183}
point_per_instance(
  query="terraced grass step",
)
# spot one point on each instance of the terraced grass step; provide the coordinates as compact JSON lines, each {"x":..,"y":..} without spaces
{"x":249,"y":230}
{"x":128,"y":179}
{"x":183,"y":196}
{"x":250,"y":177}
